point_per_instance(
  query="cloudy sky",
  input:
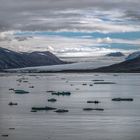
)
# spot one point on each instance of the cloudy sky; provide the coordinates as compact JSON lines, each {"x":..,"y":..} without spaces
{"x":70,"y":27}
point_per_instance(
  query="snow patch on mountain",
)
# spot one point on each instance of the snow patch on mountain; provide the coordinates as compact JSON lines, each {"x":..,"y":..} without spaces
{"x":133,"y":55}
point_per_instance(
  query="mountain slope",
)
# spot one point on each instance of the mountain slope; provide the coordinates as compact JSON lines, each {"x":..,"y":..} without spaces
{"x":11,"y":59}
{"x":132,"y":65}
{"x":133,"y":55}
{"x":115,"y":54}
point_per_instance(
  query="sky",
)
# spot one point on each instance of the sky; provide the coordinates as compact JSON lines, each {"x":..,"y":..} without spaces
{"x":70,"y":27}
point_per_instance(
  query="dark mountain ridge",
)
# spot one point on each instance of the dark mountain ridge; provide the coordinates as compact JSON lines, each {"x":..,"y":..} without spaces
{"x":126,"y":66}
{"x":115,"y":54}
{"x":11,"y":59}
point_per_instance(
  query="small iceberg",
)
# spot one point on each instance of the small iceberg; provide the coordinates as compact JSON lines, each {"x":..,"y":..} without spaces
{"x":4,"y":135}
{"x":46,"y":108}
{"x":84,"y":84}
{"x":90,"y":109}
{"x":63,"y":93}
{"x":122,"y":99}
{"x":21,"y":92}
{"x":50,"y":91}
{"x":52,"y":100}
{"x":11,"y":104}
{"x":61,"y":111}
{"x":11,"y":128}
{"x":11,"y":89}
{"x":31,"y":86}
{"x":91,"y":85}
{"x":95,"y":102}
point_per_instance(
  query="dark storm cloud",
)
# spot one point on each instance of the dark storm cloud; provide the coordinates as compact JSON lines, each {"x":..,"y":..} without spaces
{"x":47,"y":14}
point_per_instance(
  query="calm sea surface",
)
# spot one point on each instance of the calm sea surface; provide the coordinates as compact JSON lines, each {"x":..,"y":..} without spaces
{"x":118,"y":121}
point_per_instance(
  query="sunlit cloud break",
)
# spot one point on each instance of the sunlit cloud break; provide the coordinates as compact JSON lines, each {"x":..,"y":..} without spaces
{"x":69,"y":28}
{"x":68,"y":46}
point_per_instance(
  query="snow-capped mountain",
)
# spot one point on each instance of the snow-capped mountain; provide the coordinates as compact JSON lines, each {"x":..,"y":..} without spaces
{"x":130,"y":66}
{"x":133,"y":55}
{"x":115,"y":54}
{"x":11,"y":59}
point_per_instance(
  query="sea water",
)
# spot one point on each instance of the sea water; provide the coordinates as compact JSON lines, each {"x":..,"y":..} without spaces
{"x":118,"y":121}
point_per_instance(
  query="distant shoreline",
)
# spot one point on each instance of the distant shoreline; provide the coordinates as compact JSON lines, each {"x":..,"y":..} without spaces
{"x":72,"y":71}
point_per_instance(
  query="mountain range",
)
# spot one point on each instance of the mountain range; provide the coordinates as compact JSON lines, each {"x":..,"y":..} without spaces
{"x":115,"y":54}
{"x":132,"y":66}
{"x":133,"y":55}
{"x":11,"y":59}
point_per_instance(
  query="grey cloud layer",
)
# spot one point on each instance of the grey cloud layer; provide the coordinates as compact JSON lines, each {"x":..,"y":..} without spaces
{"x":52,"y":14}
